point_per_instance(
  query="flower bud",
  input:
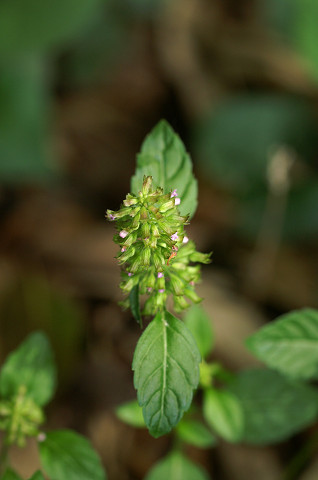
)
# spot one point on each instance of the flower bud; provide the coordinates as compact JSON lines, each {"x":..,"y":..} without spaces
{"x":130,"y":200}
{"x":177,"y":284}
{"x":145,"y":256}
{"x":146,"y":186}
{"x":192,"y":295}
{"x":145,"y":230}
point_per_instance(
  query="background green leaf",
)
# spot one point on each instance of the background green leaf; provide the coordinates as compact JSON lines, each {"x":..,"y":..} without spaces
{"x":66,"y":455}
{"x":131,"y":413}
{"x":200,"y":326}
{"x":274,"y":406}
{"x":289,"y":344}
{"x":37,"y":476}
{"x":37,"y":25}
{"x":177,"y":467}
{"x":195,"y":433}
{"x":163,"y":156}
{"x":166,"y":364}
{"x":305,"y":34}
{"x":25,"y":107}
{"x":10,"y":475}
{"x":235,"y":141}
{"x":223,"y":412}
{"x":31,"y":365}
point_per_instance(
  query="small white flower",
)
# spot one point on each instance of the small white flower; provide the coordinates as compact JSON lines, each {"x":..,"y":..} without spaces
{"x":185,"y":240}
{"x":123,"y":234}
{"x":177,"y":201}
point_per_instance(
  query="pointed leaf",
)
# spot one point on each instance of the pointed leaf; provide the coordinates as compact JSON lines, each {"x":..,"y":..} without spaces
{"x":131,"y":413}
{"x":274,"y":406}
{"x":290,"y":344}
{"x":177,"y":467}
{"x":37,"y":476}
{"x":31,"y":365}
{"x":134,"y":304}
{"x":66,"y":455}
{"x":223,"y":412}
{"x":195,"y":433}
{"x":10,"y":475}
{"x":200,"y":326}
{"x":163,"y":156}
{"x":166,"y":364}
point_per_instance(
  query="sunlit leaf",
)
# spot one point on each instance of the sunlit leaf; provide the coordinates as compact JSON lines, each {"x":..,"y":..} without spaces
{"x":166,"y":365}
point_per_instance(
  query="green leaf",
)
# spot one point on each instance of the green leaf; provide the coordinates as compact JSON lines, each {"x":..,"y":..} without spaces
{"x":10,"y":475}
{"x":24,"y":112}
{"x":223,"y":412}
{"x":200,"y":326}
{"x":66,"y":455}
{"x":131,"y":413}
{"x":37,"y":476}
{"x":235,"y":141}
{"x":290,"y":344}
{"x":163,"y":156}
{"x":31,"y":365}
{"x":177,"y":467}
{"x":195,"y":433}
{"x":274,"y":406}
{"x":134,"y":304}
{"x":166,"y":364}
{"x":38,"y":25}
{"x":305,"y":33}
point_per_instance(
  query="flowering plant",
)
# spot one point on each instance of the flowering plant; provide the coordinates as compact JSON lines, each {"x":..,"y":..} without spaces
{"x":158,"y":260}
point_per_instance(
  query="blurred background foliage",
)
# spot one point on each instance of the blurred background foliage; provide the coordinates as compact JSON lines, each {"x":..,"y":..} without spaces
{"x":81,"y":83}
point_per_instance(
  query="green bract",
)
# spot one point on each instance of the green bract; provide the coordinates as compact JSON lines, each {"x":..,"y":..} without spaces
{"x":155,"y":252}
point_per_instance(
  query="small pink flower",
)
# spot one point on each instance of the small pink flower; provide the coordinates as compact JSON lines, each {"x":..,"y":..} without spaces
{"x":161,"y":290}
{"x":185,"y":240}
{"x":174,"y":237}
{"x":111,"y":217}
{"x":123,"y":249}
{"x":123,"y":234}
{"x":41,"y":437}
{"x":160,"y":275}
{"x":177,"y":201}
{"x":174,"y":193}
{"x":149,"y":289}
{"x":192,"y":283}
{"x":130,"y":274}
